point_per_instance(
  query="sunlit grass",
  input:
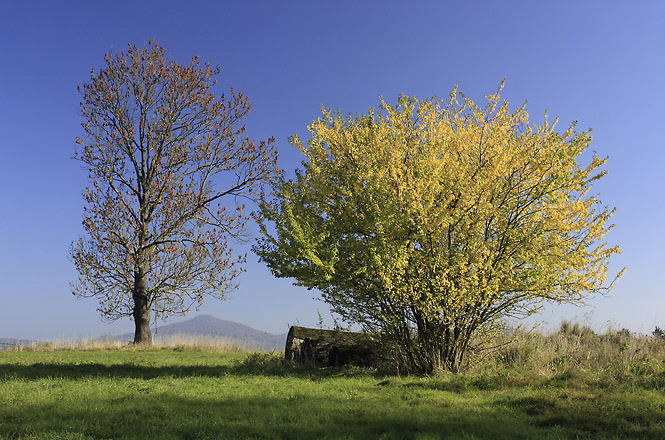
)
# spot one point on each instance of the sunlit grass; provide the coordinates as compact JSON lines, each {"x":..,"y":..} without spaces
{"x":572,"y":384}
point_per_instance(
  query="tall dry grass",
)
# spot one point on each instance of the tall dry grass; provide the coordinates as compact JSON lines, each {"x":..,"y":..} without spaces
{"x":170,"y":342}
{"x":576,"y":352}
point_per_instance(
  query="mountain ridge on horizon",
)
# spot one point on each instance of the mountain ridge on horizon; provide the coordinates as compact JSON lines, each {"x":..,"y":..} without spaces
{"x":201,"y":325}
{"x":208,"y":325}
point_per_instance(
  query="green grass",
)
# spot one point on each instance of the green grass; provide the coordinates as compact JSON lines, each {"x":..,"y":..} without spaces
{"x":186,"y":393}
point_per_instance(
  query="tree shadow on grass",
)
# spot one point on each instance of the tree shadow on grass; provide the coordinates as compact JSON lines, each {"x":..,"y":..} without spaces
{"x":588,"y":416}
{"x":253,"y":365}
{"x":259,"y":364}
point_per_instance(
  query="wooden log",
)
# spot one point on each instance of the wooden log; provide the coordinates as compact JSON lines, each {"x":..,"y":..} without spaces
{"x":310,"y":346}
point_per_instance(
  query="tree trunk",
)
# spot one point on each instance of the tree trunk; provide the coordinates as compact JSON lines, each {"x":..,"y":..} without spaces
{"x":142,"y":334}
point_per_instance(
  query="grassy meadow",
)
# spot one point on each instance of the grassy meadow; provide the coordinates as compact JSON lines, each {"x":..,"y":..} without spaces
{"x":572,"y":384}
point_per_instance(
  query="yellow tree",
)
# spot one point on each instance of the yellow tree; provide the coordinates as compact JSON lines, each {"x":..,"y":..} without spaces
{"x":169,"y":170}
{"x":430,"y":221}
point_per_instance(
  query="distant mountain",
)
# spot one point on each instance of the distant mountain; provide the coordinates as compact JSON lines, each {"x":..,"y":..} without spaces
{"x":206,"y":325}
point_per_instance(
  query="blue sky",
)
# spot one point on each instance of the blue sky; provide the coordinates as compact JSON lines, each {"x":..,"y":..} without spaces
{"x":601,"y":63}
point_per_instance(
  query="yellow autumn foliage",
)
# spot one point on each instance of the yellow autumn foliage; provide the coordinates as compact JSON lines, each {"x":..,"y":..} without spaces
{"x":429,"y":220}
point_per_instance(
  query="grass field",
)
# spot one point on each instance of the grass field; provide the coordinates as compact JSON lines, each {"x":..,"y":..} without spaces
{"x":568,"y":386}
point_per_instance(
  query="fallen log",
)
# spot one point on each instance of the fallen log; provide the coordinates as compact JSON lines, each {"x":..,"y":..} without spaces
{"x":311,"y":346}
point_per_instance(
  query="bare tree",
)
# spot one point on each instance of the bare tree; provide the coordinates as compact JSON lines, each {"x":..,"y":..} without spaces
{"x":169,"y":170}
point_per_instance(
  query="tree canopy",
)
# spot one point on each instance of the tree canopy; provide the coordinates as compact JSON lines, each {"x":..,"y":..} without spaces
{"x":169,"y":171}
{"x":431,"y":221}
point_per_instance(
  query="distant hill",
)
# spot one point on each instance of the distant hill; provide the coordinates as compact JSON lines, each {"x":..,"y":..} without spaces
{"x":206,"y":325}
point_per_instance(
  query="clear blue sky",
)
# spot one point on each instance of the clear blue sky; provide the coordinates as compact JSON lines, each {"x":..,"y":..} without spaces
{"x":601,"y":63}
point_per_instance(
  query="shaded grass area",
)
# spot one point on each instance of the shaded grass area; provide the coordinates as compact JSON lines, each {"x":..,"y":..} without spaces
{"x":180,"y":394}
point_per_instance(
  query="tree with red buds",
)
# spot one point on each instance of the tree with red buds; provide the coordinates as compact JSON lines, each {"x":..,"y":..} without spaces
{"x":169,"y":171}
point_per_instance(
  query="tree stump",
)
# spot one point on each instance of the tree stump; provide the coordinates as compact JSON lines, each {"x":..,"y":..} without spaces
{"x":310,"y":346}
